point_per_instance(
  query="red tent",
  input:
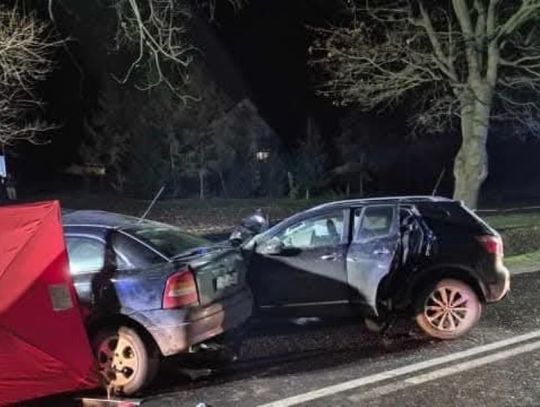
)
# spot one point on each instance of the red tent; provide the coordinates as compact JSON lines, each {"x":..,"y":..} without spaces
{"x":43,"y":344}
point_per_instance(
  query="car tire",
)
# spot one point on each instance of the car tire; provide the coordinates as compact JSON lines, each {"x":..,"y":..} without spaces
{"x":448,"y":310}
{"x":125,"y":361}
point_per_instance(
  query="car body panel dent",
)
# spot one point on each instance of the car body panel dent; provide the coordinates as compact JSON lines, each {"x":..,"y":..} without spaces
{"x":371,"y":258}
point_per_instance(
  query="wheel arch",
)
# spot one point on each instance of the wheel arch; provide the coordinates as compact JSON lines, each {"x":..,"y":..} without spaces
{"x":431,"y":276}
{"x":117,"y":320}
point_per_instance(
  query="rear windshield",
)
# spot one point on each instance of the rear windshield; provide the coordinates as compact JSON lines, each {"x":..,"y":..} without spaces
{"x":168,"y":240}
{"x":453,"y":213}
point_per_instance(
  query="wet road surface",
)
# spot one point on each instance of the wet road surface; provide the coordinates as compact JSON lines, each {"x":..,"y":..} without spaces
{"x":341,"y":364}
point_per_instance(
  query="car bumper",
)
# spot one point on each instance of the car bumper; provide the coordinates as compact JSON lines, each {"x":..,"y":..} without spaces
{"x":498,"y":289}
{"x":174,"y":331}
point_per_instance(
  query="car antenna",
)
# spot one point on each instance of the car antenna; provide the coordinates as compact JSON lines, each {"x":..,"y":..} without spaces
{"x":145,"y":214}
{"x":438,"y":183}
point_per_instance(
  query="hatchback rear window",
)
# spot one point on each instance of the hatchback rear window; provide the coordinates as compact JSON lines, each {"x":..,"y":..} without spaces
{"x":168,"y":240}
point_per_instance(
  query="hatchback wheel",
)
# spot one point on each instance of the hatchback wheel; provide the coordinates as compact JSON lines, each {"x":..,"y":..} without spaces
{"x":125,"y":362}
{"x":448,"y":310}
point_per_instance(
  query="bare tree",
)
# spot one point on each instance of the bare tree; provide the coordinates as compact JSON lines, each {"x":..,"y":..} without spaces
{"x":157,"y":34}
{"x":457,"y":61}
{"x":156,"y":31}
{"x":26,"y":50}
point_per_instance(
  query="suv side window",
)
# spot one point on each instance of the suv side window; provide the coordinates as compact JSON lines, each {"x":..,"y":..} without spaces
{"x":319,"y":231}
{"x":86,"y":254}
{"x":375,"y":222}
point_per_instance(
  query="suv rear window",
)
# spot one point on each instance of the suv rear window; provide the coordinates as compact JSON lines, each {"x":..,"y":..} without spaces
{"x":453,"y":213}
{"x":168,"y":240}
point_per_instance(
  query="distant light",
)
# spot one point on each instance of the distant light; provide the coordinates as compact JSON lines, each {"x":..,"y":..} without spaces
{"x":262,"y":155}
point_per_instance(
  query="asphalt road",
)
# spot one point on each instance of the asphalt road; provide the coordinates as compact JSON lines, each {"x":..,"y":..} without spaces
{"x":340,"y":363}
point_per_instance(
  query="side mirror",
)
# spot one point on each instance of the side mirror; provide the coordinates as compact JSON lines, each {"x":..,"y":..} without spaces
{"x":272,"y":247}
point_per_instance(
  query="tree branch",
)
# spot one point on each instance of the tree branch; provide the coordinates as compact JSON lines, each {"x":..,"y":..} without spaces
{"x":464,"y":19}
{"x":26,"y":48}
{"x":445,"y":63}
{"x":528,"y":10}
{"x":480,"y":30}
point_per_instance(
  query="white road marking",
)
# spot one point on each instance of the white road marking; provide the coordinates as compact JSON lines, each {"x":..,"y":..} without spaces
{"x":445,"y":371}
{"x":390,"y":374}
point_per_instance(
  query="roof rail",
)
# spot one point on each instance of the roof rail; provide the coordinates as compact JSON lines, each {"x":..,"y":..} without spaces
{"x":403,"y":198}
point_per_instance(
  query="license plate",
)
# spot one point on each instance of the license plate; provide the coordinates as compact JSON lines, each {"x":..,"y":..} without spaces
{"x":226,"y":281}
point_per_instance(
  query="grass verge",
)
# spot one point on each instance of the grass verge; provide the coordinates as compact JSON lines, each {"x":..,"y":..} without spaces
{"x":523,"y":261}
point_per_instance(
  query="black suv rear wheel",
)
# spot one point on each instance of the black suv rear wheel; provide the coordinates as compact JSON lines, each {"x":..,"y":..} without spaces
{"x":448,"y":310}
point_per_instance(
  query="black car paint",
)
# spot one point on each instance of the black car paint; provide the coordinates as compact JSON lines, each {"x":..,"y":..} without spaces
{"x":130,"y":285}
{"x":371,"y":260}
{"x":327,"y":264}
{"x":431,"y":237}
{"x":114,"y":289}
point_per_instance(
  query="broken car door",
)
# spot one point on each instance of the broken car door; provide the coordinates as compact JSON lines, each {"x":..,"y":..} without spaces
{"x":372,"y":251}
{"x":303,"y":264}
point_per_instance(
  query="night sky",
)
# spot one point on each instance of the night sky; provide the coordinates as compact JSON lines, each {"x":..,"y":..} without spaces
{"x":268,"y":42}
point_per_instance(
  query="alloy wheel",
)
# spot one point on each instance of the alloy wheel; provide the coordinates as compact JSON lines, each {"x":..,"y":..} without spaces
{"x":448,"y":307}
{"x":118,"y":360}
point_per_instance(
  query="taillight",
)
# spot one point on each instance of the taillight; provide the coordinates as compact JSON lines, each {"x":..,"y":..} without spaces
{"x":492,"y":244}
{"x":180,"y":290}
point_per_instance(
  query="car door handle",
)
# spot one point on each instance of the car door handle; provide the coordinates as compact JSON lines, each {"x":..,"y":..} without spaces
{"x":381,"y":252}
{"x":329,"y":257}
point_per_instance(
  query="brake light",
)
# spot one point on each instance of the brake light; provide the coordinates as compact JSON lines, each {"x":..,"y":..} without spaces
{"x":492,"y":244}
{"x":180,"y":290}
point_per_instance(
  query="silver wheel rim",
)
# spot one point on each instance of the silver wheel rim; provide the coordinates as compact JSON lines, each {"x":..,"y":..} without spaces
{"x":449,"y":309}
{"x":118,"y":361}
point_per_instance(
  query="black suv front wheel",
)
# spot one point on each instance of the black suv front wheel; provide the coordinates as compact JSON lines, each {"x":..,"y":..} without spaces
{"x":448,"y":310}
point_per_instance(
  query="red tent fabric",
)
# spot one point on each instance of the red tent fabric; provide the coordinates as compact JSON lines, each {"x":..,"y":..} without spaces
{"x":44,"y":348}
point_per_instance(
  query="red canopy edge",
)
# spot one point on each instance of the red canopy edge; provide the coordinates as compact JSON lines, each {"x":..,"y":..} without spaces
{"x":44,"y":347}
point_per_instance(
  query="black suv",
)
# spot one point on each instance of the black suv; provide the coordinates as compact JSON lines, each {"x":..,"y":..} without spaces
{"x":429,"y":257}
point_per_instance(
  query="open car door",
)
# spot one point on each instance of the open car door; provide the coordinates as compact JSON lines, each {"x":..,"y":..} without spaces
{"x":373,"y":250}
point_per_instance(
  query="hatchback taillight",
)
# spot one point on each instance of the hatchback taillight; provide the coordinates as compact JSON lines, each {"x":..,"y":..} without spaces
{"x":492,"y":244}
{"x":180,"y":290}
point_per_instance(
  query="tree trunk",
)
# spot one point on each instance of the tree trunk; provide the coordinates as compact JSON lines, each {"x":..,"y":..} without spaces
{"x":201,"y":184}
{"x":471,"y":162}
{"x":223,"y":184}
{"x":173,"y":169}
{"x":202,"y":173}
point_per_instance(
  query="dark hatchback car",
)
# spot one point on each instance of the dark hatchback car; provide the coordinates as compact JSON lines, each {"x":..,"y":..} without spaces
{"x":150,"y":291}
{"x":428,"y":257}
